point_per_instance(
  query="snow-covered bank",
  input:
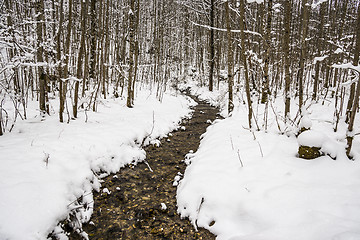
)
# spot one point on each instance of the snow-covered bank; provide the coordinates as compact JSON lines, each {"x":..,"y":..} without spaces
{"x":274,"y":195}
{"x":46,"y":166}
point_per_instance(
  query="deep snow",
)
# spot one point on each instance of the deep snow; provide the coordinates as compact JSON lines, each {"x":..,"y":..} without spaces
{"x":47,"y":165}
{"x":275,"y":195}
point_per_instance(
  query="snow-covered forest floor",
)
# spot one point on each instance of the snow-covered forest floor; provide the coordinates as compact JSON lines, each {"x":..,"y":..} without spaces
{"x":46,"y":165}
{"x":244,"y":184}
{"x":248,"y":179}
{"x":240,"y":184}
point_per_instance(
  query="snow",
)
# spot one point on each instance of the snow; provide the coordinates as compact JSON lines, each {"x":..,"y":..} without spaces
{"x":347,"y":66}
{"x":305,"y":122}
{"x":338,"y":50}
{"x":276,"y":6}
{"x":320,"y":59}
{"x":105,"y":190}
{"x":317,"y":3}
{"x":257,"y":1}
{"x":46,"y":165}
{"x":163,"y":206}
{"x":311,"y":138}
{"x":239,"y":184}
{"x":275,"y":195}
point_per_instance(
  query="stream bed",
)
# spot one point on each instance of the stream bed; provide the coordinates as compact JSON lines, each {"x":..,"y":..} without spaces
{"x":142,"y":199}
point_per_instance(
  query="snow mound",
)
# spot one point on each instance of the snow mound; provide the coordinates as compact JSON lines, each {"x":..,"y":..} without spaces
{"x":311,"y":138}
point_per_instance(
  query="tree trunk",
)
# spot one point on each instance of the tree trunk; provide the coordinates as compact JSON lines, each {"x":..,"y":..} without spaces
{"x":321,"y":42}
{"x":267,"y":41}
{"x":79,"y":73}
{"x":229,"y":59}
{"x":60,"y":70}
{"x":212,"y":45}
{"x":355,"y":104}
{"x":137,"y":50}
{"x":93,"y":40}
{"x":244,"y":60}
{"x":303,"y":52}
{"x":39,"y":54}
{"x":286,"y":49}
{"x":129,"y":101}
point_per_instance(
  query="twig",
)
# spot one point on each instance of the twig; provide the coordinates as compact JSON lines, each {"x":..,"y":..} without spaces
{"x":232,"y":144}
{"x":198,"y":211}
{"x":60,"y":133}
{"x":79,"y":198}
{"x":238,"y":153}
{"x":147,"y":164}
{"x":276,"y":117}
{"x":46,"y":159}
{"x":253,"y":134}
{"x":262,"y":155}
{"x":86,"y":116}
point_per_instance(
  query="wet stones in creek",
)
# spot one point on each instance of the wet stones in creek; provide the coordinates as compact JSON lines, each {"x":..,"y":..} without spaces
{"x":141,"y":203}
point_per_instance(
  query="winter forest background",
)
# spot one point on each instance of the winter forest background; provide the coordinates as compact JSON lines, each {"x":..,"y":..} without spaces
{"x":283,"y":73}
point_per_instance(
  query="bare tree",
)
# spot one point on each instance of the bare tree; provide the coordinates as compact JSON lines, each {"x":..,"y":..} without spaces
{"x":244,"y":60}
{"x":79,"y":73}
{"x":286,"y":49}
{"x":230,"y":65}
{"x":267,"y":41}
{"x":212,"y":45}
{"x":129,"y":101}
{"x":39,"y":55}
{"x":300,"y":75}
{"x":355,"y":104}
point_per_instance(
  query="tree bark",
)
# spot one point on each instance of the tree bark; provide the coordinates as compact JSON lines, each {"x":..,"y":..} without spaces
{"x":129,"y":101}
{"x":60,"y":70}
{"x":304,"y":30}
{"x":319,"y":47}
{"x":286,"y":49}
{"x":244,"y":60}
{"x":93,"y":41}
{"x":212,"y":45}
{"x":229,"y":58}
{"x":39,"y":54}
{"x":355,"y":104}
{"x":79,"y":71}
{"x":267,"y":41}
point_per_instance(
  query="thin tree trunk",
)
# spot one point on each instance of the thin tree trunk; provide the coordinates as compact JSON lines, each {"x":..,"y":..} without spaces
{"x":229,"y":59}
{"x":79,"y":73}
{"x":137,"y":50}
{"x":244,"y":60}
{"x":355,"y":104}
{"x":267,"y":41}
{"x":129,"y":101}
{"x":60,"y":70}
{"x":67,"y":58}
{"x":300,"y":75}
{"x":321,"y":42}
{"x":212,"y":45}
{"x":93,"y":39}
{"x":39,"y":54}
{"x":286,"y":49}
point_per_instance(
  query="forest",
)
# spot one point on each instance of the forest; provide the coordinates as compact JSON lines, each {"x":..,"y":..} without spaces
{"x":92,"y":88}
